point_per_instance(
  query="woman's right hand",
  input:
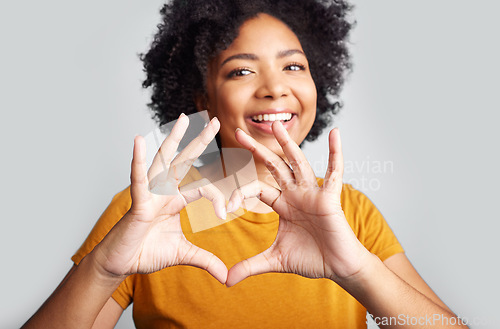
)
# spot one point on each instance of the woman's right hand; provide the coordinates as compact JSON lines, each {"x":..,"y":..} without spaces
{"x":149,"y":236}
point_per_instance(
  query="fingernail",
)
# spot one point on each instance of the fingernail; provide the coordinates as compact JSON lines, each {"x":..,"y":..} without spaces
{"x":224,"y":214}
{"x":182,"y":115}
{"x":229,"y":207}
{"x":280,"y":126}
{"x":214,"y":119}
{"x":239,"y":129}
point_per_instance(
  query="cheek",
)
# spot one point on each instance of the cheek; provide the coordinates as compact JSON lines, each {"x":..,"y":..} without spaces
{"x":228,"y":111}
{"x":312,"y":93}
{"x":232,"y":104}
{"x":309,"y":102}
{"x":308,"y":98}
{"x":227,"y":100}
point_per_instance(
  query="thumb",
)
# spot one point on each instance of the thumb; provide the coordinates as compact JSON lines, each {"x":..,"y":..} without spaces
{"x":261,"y":263}
{"x":138,"y":174}
{"x":205,"y":260}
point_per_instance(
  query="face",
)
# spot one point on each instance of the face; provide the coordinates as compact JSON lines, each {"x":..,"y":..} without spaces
{"x":261,"y":77}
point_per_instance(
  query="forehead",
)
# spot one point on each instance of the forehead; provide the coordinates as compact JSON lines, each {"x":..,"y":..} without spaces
{"x":260,"y":35}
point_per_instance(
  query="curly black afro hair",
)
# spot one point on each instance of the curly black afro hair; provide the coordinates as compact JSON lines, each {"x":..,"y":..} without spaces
{"x":193,"y":32}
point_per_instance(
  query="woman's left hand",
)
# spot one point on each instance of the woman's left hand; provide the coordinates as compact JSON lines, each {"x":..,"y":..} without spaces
{"x":314,"y":239}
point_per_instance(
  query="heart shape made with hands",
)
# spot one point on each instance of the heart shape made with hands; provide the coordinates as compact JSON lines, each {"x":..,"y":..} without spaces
{"x":312,"y":227}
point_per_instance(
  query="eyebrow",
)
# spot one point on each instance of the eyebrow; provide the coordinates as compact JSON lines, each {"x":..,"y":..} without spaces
{"x":289,"y":52}
{"x":253,"y":57}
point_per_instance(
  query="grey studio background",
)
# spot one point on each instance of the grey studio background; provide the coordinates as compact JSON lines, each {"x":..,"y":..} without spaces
{"x":418,"y":129}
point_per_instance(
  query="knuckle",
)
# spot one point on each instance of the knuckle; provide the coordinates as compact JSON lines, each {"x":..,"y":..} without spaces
{"x":284,"y":141}
{"x":138,"y":180}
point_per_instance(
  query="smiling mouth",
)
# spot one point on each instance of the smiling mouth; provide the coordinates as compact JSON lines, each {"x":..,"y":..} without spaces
{"x":270,"y":118}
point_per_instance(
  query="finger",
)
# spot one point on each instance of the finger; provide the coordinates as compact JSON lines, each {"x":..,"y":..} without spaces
{"x":166,"y":152}
{"x":274,"y":163}
{"x":183,"y":161}
{"x":302,"y":171}
{"x":204,"y":188}
{"x":258,"y":264}
{"x":205,"y":260}
{"x":335,"y":170}
{"x":138,"y":174}
{"x":266,"y":193}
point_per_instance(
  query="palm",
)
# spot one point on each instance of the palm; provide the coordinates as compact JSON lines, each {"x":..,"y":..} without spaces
{"x":314,"y":238}
{"x":149,"y":237}
{"x":306,"y":238}
{"x":165,"y":244}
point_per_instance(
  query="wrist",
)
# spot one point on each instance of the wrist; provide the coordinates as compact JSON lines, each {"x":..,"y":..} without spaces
{"x":93,"y":261}
{"x":108,"y":258}
{"x":359,"y":282}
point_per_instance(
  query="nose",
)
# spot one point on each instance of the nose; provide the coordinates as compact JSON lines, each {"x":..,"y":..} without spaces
{"x":272,"y":85}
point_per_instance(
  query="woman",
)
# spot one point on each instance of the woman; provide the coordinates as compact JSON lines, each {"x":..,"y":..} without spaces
{"x":266,"y":71}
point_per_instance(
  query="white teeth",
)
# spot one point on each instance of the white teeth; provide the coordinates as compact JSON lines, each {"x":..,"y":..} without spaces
{"x":273,"y":117}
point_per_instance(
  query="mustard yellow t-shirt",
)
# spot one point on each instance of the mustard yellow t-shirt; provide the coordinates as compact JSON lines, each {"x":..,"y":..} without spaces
{"x":188,"y":297}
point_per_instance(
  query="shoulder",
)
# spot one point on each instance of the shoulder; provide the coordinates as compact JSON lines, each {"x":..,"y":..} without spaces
{"x":118,"y":207}
{"x":121,"y":202}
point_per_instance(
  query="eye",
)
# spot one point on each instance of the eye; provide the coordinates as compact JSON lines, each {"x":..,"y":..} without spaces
{"x":295,"y":67}
{"x":239,"y":72}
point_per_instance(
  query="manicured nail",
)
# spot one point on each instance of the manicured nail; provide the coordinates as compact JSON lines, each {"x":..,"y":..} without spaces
{"x":238,"y":129}
{"x":214,"y":119}
{"x":280,"y":126}
{"x":182,"y":115}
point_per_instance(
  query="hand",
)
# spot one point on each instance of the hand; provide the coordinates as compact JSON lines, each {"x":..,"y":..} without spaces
{"x":149,"y":237}
{"x":314,"y":239}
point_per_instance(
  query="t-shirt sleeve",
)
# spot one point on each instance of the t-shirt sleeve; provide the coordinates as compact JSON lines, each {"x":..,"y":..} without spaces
{"x":368,"y":224}
{"x":119,"y":205}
